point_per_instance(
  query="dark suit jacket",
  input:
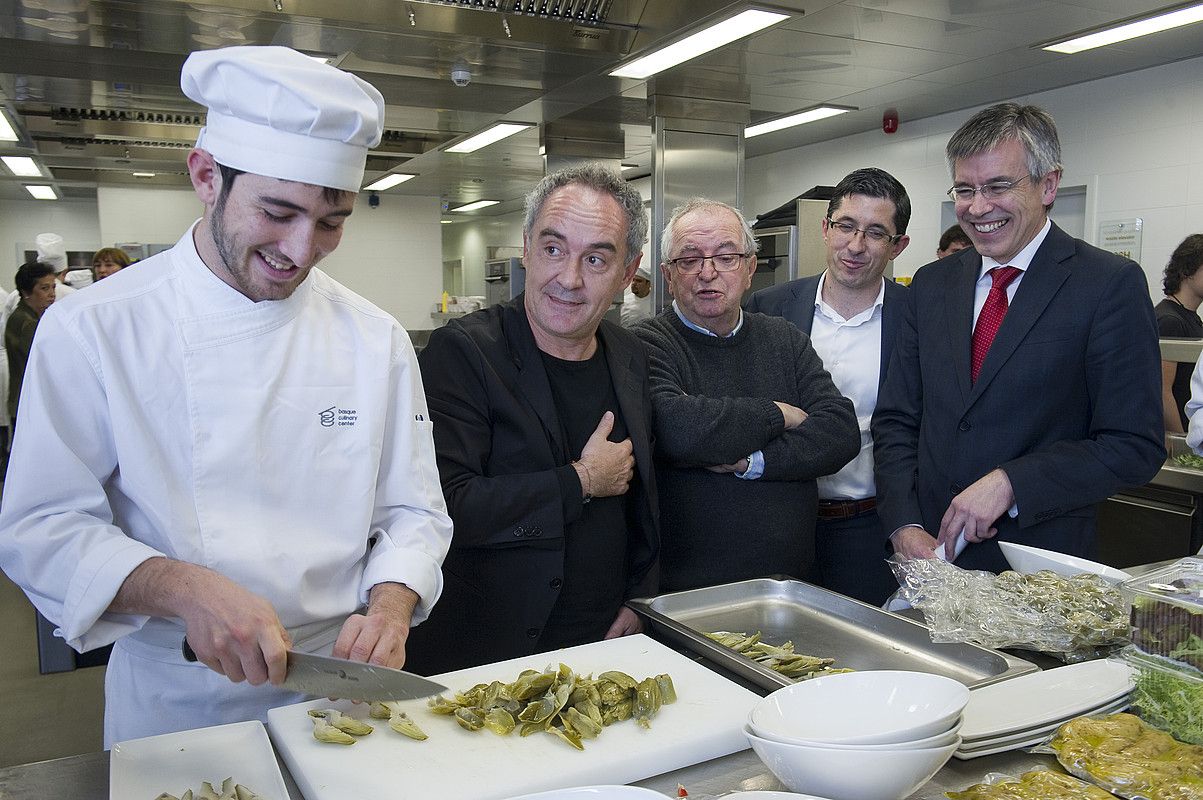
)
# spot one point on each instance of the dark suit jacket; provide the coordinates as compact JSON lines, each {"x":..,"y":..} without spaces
{"x":795,"y":301}
{"x":500,"y":451}
{"x":1068,"y":402}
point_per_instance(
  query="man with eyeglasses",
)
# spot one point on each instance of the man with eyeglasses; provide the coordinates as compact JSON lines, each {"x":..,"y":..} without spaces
{"x":746,"y":416}
{"x":1025,"y":383}
{"x":850,"y":312}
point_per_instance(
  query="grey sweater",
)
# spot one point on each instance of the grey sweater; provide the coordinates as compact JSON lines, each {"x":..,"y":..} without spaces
{"x":713,"y":399}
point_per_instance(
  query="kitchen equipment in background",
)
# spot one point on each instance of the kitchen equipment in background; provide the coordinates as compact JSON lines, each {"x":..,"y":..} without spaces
{"x":505,"y":279}
{"x":776,"y":257}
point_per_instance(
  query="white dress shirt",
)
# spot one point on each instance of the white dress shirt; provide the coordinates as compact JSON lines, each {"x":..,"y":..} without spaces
{"x":1022,"y":260}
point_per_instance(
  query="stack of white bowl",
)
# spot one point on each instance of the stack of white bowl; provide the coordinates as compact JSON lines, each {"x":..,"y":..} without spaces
{"x":859,"y":735}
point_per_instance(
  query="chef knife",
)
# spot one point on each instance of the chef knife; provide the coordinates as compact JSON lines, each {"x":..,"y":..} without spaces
{"x":325,"y":676}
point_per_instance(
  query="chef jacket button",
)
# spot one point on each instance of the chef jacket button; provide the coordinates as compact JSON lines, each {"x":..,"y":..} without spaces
{"x":532,"y":633}
{"x":964,"y":426}
{"x":556,"y":583}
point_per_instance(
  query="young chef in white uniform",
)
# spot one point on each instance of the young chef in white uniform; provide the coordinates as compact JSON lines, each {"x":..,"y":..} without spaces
{"x":249,"y":456}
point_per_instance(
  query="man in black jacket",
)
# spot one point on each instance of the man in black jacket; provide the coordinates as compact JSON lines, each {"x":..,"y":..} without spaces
{"x":543,"y":435}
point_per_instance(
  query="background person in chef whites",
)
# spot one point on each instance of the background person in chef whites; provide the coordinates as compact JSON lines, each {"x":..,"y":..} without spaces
{"x":1065,"y":405}
{"x":542,"y":429}
{"x":746,"y":416}
{"x":851,"y":314}
{"x":202,"y":486}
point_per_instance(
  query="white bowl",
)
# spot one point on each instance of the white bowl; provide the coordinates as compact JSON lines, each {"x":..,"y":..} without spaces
{"x":850,"y":774}
{"x":881,"y":707}
{"x":1026,"y":560}
{"x":944,"y":739}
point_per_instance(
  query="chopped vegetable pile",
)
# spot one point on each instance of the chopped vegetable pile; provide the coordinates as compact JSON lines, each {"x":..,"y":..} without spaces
{"x":781,"y":659}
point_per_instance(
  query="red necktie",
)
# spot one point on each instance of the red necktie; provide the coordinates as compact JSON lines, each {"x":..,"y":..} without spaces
{"x":993,"y":311}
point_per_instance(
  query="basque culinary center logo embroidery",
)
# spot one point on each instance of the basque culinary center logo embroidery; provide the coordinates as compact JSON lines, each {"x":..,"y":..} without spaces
{"x":340,"y":417}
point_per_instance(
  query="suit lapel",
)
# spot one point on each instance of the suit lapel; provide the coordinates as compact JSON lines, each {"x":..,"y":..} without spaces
{"x":805,"y":294}
{"x":894,"y":297}
{"x":531,"y":377}
{"x":1040,"y":283}
{"x":958,"y":313}
{"x":630,"y":399}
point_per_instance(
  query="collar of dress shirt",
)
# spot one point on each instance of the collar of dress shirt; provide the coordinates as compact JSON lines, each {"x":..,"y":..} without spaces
{"x":826,"y":310}
{"x":1023,"y":259}
{"x":700,"y":329}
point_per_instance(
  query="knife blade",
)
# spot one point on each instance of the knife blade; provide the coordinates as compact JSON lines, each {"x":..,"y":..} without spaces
{"x":326,"y":676}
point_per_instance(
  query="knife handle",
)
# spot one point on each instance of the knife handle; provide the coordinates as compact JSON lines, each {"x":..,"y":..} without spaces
{"x":189,"y":655}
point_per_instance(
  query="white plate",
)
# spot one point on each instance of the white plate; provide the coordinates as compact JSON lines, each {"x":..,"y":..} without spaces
{"x":758,"y":795}
{"x":1040,"y":698}
{"x":1026,"y":560}
{"x":175,"y":762}
{"x":595,"y":793}
{"x":1027,"y":733}
{"x":965,"y":755}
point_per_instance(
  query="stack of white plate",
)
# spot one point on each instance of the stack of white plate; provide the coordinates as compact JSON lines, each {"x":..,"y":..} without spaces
{"x":1025,"y":711}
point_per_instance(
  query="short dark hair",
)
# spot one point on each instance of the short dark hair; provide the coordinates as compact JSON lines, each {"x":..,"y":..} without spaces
{"x":874,"y":182}
{"x":228,"y":174}
{"x":1185,"y":262}
{"x":28,"y":275}
{"x":954,"y":234}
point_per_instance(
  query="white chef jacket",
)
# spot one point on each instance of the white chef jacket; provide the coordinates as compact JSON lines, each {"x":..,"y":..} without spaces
{"x":285,"y":444}
{"x":634,"y":308}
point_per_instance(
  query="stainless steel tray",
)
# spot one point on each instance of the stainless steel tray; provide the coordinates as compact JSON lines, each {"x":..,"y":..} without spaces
{"x":819,"y":623}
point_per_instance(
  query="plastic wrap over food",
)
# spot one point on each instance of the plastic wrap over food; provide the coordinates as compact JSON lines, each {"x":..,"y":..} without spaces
{"x":1128,"y":758}
{"x":1072,"y":618}
{"x":1039,"y":784}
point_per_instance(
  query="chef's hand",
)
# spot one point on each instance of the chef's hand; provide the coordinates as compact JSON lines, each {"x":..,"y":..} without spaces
{"x":626,"y":623}
{"x":378,"y":636}
{"x":738,"y":466}
{"x":794,"y":416}
{"x":975,"y":510}
{"x":913,"y":542}
{"x":605,"y":468}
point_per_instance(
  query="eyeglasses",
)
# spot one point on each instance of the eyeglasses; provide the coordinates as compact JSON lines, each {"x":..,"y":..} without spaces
{"x":872,"y":235}
{"x":723,"y":262}
{"x":989,"y":191}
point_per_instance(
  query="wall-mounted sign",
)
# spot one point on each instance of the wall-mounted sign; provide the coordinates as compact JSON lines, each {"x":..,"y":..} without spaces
{"x":1122,"y":237}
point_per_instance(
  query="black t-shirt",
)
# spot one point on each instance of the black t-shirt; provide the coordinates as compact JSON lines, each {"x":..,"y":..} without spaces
{"x":1175,"y":321}
{"x":595,"y":545}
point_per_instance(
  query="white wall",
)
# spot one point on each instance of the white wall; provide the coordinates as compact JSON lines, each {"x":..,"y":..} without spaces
{"x":1132,"y":140}
{"x":146,"y":216}
{"x":22,"y":220}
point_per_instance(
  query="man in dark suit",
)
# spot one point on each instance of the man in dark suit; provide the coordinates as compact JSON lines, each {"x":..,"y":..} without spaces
{"x":1025,"y":382}
{"x":851,"y":314}
{"x":542,"y":430}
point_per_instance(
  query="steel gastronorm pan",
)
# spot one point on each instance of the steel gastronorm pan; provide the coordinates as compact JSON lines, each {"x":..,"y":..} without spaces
{"x":819,"y":623}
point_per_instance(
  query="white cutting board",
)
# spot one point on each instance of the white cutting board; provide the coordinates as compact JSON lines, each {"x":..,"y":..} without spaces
{"x":706,"y":722}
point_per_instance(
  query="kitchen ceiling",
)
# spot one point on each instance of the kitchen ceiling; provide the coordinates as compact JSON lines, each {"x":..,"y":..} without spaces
{"x":94,"y":84}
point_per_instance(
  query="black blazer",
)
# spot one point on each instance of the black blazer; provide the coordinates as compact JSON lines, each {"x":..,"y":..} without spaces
{"x":795,"y":301}
{"x":1068,"y":401}
{"x":500,"y":451}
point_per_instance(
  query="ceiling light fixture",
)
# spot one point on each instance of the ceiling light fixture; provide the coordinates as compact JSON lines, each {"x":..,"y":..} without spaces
{"x":8,"y":131}
{"x":709,"y":38}
{"x":488,"y":136}
{"x":41,"y":192}
{"x":1129,"y":30}
{"x":143,"y":174}
{"x":477,"y":205}
{"x":388,"y":181}
{"x":800,"y":118}
{"x":22,"y":166}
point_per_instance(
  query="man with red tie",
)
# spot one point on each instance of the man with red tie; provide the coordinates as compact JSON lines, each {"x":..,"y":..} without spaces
{"x":1025,"y":381}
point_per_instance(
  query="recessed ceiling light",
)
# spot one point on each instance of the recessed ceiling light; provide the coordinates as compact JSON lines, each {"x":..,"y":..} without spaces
{"x":24,"y":166}
{"x":1130,"y":30}
{"x":477,"y":205}
{"x":388,"y":182}
{"x":8,"y":132}
{"x":800,"y":118}
{"x":143,"y":174}
{"x":710,"y":38}
{"x":489,"y":135}
{"x":41,"y":192}
{"x":445,"y":222}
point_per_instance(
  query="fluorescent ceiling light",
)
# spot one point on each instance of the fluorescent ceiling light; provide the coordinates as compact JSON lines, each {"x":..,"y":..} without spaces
{"x":489,"y":135}
{"x":23,"y":166}
{"x":801,"y":118}
{"x":710,"y":38}
{"x":445,"y":222}
{"x":1131,"y":30}
{"x":388,"y":182}
{"x":143,"y":174}
{"x":477,"y":205}
{"x":7,"y":132}
{"x":41,"y":192}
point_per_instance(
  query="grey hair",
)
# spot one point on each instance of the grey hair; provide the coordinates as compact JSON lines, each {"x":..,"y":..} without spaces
{"x":985,"y":130}
{"x":602,"y":179}
{"x":750,"y":244}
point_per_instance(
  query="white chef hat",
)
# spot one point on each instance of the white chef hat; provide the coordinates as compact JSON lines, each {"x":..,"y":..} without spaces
{"x":276,"y":112}
{"x":643,"y":272}
{"x":52,"y":250}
